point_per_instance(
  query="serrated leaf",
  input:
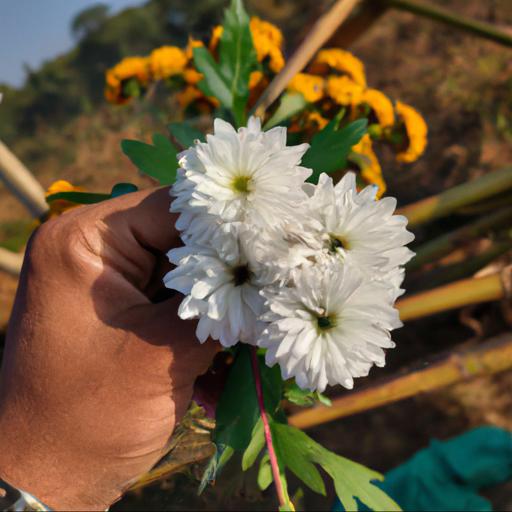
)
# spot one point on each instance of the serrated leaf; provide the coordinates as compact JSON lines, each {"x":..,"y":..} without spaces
{"x":264,"y":473}
{"x":78,"y":197}
{"x":237,"y":411}
{"x":303,"y":397}
{"x":323,"y":399}
{"x":255,"y":446}
{"x":185,"y":134}
{"x":351,"y":480}
{"x":330,"y":147}
{"x":157,"y":160}
{"x":213,"y":83}
{"x":295,"y":457}
{"x":228,"y":80}
{"x":290,"y":104}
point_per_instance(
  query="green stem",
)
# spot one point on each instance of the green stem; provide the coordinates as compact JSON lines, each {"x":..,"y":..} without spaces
{"x":478,"y":28}
{"x":448,"y":242}
{"x":447,"y":202}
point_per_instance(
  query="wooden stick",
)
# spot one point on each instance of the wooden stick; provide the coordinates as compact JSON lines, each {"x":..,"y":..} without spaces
{"x":323,"y":29}
{"x":478,"y":28}
{"x":491,"y":357}
{"x":447,"y":202}
{"x":454,"y":295}
{"x":10,"y":262}
{"x":21,"y":182}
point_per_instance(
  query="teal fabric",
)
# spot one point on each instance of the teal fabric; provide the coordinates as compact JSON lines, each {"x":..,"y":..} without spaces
{"x":447,"y":475}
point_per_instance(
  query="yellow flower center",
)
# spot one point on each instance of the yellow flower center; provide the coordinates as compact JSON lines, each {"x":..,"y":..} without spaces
{"x":338,"y":242}
{"x":241,"y":184}
{"x":324,"y":323}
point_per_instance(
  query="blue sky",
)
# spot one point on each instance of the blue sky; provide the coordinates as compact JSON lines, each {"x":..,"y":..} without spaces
{"x":32,"y":31}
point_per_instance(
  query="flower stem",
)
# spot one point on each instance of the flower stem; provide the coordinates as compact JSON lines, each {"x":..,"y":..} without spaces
{"x":281,"y":495}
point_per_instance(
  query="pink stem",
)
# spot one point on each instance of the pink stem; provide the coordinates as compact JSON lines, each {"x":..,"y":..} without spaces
{"x":266,"y":428}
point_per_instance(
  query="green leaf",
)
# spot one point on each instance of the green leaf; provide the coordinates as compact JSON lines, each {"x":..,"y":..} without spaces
{"x":228,"y":80}
{"x":351,"y":480}
{"x":293,"y":453}
{"x":264,"y":473}
{"x":255,"y":446}
{"x":330,"y":147}
{"x":214,"y":466}
{"x":185,"y":134}
{"x":78,"y":197}
{"x":303,"y":397}
{"x":291,"y":104}
{"x":214,"y":83}
{"x":238,"y":411}
{"x":157,"y":160}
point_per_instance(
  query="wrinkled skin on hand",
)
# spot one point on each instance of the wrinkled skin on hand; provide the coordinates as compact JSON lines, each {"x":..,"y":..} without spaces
{"x":95,"y":373}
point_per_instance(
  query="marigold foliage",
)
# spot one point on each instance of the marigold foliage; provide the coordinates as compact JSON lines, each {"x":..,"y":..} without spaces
{"x":335,"y":80}
{"x":59,"y":206}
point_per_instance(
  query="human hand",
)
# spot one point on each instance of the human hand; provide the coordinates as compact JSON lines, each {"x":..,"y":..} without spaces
{"x":95,"y":375}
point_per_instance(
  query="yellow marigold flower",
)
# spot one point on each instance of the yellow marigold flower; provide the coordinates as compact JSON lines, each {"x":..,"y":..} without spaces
{"x":59,"y":206}
{"x":416,"y":130}
{"x":215,"y":37}
{"x":129,"y":67}
{"x":310,"y":86}
{"x":167,"y":61}
{"x":316,"y":120}
{"x":192,"y":76}
{"x":267,"y":40}
{"x":254,"y":79}
{"x":336,"y":59}
{"x":343,"y":90}
{"x":192,"y":94}
{"x":265,"y":29}
{"x":371,"y":171}
{"x":192,"y":43}
{"x":380,"y":105}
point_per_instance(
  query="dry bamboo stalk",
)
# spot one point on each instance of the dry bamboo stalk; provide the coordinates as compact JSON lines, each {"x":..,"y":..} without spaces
{"x":357,"y":25}
{"x":491,"y":357}
{"x":10,"y":262}
{"x":21,"y":182}
{"x":454,"y":295}
{"x":323,"y":29}
{"x":447,"y":202}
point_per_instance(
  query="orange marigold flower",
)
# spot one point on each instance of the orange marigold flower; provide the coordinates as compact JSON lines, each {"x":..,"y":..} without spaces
{"x":59,"y":206}
{"x":380,"y":105}
{"x":316,"y":120}
{"x":367,"y":160}
{"x":343,"y":90}
{"x":255,"y":78}
{"x":167,"y":61}
{"x":267,"y":40}
{"x":192,"y":76}
{"x":192,"y":43}
{"x":416,"y":131}
{"x":310,"y":86}
{"x":191,"y":94}
{"x":126,"y":69}
{"x":336,"y":59}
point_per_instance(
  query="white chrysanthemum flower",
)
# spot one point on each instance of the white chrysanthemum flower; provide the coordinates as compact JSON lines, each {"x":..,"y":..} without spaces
{"x":359,"y":229}
{"x":224,"y":295}
{"x":328,"y":328}
{"x":246,"y":176}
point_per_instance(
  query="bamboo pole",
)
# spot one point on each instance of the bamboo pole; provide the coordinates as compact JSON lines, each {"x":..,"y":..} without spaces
{"x":455,"y":295}
{"x":478,"y":28}
{"x":10,"y":262}
{"x":489,"y":358}
{"x":447,"y":202}
{"x":323,"y":29}
{"x":21,"y":182}
{"x":366,"y":16}
{"x":448,"y":242}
